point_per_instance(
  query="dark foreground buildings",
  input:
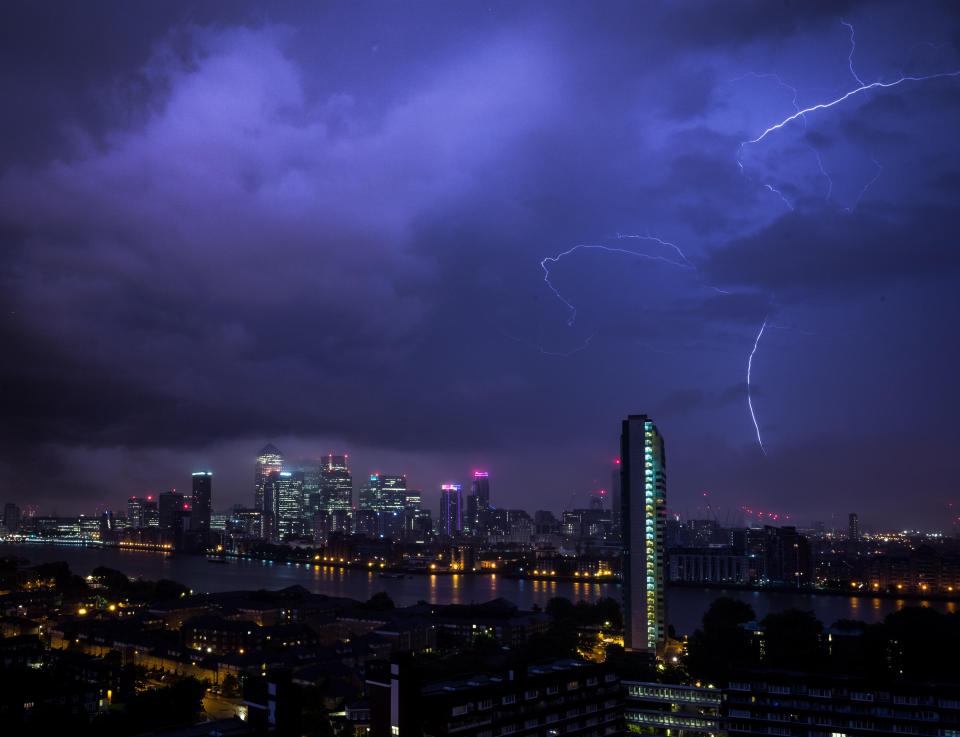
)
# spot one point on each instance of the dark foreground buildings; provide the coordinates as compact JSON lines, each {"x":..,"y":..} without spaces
{"x":561,"y":697}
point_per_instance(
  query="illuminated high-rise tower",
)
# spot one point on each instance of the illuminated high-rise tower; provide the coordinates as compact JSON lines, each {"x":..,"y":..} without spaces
{"x":336,"y":484}
{"x":643,"y":491}
{"x":384,"y":493}
{"x":283,"y":502}
{"x":200,"y":505}
{"x":451,"y":512}
{"x":269,"y":460}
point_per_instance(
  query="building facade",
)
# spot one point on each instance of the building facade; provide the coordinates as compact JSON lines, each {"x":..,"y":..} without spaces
{"x":793,"y":704}
{"x":451,"y":509}
{"x":283,"y":499}
{"x":336,"y":484}
{"x":384,"y":493}
{"x":269,"y":460}
{"x":200,"y":505}
{"x":643,"y":488}
{"x":568,"y":697}
{"x":668,"y":709}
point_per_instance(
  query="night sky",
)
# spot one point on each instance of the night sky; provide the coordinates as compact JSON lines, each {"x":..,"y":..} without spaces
{"x":322,"y":225}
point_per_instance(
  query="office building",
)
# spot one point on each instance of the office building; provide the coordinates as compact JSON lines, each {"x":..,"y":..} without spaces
{"x":478,"y":503}
{"x":312,"y":485}
{"x":269,"y":460}
{"x":11,"y":517}
{"x":246,"y":523}
{"x":384,"y":493}
{"x":853,"y":528}
{"x":643,"y":490}
{"x":201,"y":504}
{"x":136,"y":513}
{"x":283,"y":499}
{"x":710,"y":565}
{"x":168,"y":504}
{"x":336,"y":485}
{"x":451,"y":513}
{"x":151,"y":512}
{"x":786,"y":556}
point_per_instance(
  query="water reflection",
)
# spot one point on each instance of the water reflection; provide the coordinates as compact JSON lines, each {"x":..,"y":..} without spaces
{"x":685,"y":606}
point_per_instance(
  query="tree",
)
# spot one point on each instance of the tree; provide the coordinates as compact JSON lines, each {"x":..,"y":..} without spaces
{"x":114,"y":580}
{"x":723,"y":643}
{"x":166,"y":589}
{"x":793,"y":639}
{"x":561,"y":608}
{"x":231,"y":686}
{"x":380,"y":602}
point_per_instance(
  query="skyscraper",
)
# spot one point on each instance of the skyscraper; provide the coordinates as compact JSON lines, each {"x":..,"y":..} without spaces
{"x":853,"y":528}
{"x":643,"y":490}
{"x":615,"y":503}
{"x":478,"y":503}
{"x":384,"y":493}
{"x":135,"y":512}
{"x":11,"y":517}
{"x":451,"y":514}
{"x":151,"y":512}
{"x":312,"y":485}
{"x":413,"y":499}
{"x":200,"y":505}
{"x":283,"y":502}
{"x":169,"y":502}
{"x":336,"y":484}
{"x":269,"y":460}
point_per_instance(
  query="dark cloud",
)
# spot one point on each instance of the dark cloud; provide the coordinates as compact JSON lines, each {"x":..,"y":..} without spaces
{"x":842,"y":253}
{"x":324,"y":225}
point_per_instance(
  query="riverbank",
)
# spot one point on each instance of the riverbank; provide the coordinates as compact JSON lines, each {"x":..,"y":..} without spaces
{"x":844,"y":592}
{"x":685,"y":605}
{"x":298,"y":558}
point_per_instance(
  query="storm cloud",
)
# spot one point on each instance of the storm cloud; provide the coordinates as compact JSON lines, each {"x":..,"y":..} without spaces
{"x":323,"y":226}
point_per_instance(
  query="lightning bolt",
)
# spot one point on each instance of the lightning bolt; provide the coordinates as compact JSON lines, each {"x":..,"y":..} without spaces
{"x":823,"y":171}
{"x":543,"y":351}
{"x":779,"y":194}
{"x":545,"y":264}
{"x":753,"y":414}
{"x":853,"y":50}
{"x":846,"y":96}
{"x":799,"y":113}
{"x":866,"y":186}
{"x":802,"y":113}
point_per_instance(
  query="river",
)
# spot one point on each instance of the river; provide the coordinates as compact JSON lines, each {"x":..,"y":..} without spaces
{"x":685,"y":606}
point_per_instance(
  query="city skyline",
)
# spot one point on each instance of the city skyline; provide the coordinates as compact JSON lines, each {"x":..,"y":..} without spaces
{"x":430,"y":497}
{"x":477,"y":238}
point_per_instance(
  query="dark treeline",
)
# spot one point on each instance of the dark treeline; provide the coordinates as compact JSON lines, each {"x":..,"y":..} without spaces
{"x":914,"y":643}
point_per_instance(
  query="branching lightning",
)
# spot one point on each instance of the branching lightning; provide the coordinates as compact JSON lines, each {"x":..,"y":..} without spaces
{"x":779,"y":194}
{"x":682,"y":262}
{"x":753,"y":414}
{"x":685,"y":264}
{"x":823,"y":171}
{"x":801,"y":115}
{"x":879,"y":84}
{"x":866,"y":186}
{"x":543,"y":351}
{"x":853,"y":50}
